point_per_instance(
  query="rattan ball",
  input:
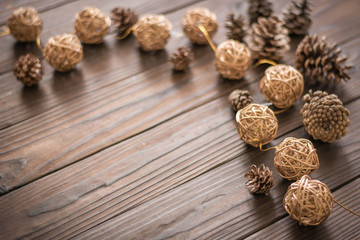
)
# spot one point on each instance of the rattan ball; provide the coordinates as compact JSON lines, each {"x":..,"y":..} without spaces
{"x":63,"y":52}
{"x":295,"y":158}
{"x":196,"y":17}
{"x":282,"y":85}
{"x":257,"y":124}
{"x":232,"y":59}
{"x":310,"y":202}
{"x":91,"y":25}
{"x":152,"y":32}
{"x":25,"y":24}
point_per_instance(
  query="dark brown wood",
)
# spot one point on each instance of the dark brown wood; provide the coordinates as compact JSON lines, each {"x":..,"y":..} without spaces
{"x":143,"y":102}
{"x":124,"y":148}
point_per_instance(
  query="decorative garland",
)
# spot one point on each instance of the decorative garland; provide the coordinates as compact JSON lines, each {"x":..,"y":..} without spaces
{"x":308,"y":201}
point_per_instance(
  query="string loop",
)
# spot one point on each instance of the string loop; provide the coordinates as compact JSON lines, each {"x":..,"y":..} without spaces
{"x":5,"y":32}
{"x":265,"y":61}
{"x":127,"y":32}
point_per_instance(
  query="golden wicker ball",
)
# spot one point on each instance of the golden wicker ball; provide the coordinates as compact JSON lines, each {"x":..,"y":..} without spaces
{"x":91,"y":25}
{"x":282,"y":85}
{"x":308,"y":201}
{"x":196,"y":17}
{"x":257,"y":125}
{"x":295,"y":158}
{"x":152,"y":32}
{"x":232,"y":59}
{"x":63,"y":52}
{"x":25,"y":24}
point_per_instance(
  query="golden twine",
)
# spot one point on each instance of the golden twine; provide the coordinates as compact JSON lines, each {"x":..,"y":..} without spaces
{"x":282,"y":85}
{"x":257,"y":125}
{"x":91,"y":25}
{"x":25,"y":24}
{"x":63,"y":52}
{"x":152,"y":32}
{"x":232,"y":59}
{"x":295,"y":158}
{"x":126,"y":33}
{"x":207,"y":36}
{"x":199,"y":17}
{"x":5,"y":32}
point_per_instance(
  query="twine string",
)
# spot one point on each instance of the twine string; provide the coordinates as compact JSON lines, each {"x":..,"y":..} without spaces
{"x":281,"y":111}
{"x":127,"y":32}
{"x":5,"y":32}
{"x":206,"y":34}
{"x":261,"y":146}
{"x":265,"y":61}
{"x":353,"y":212}
{"x":38,"y":43}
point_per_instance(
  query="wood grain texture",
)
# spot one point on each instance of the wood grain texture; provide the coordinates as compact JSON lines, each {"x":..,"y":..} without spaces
{"x":124,"y":148}
{"x":102,"y":117}
{"x":216,"y":205}
{"x":340,"y":225}
{"x":98,"y":188}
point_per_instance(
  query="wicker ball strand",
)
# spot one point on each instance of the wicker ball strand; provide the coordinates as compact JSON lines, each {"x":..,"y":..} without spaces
{"x":152,"y":32}
{"x":91,"y":25}
{"x":232,"y":59}
{"x":308,"y":201}
{"x":63,"y":52}
{"x":295,"y":158}
{"x":257,"y":125}
{"x":196,"y":17}
{"x":25,"y":24}
{"x":282,"y":85}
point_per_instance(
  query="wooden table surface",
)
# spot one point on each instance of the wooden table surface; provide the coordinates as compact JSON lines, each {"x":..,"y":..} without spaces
{"x":125,"y":148}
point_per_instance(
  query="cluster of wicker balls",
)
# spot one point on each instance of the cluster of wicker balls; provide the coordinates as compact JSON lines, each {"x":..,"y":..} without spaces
{"x":308,"y":201}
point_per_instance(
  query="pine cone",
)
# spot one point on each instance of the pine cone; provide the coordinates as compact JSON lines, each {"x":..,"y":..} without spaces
{"x":324,"y":116}
{"x":123,"y":19}
{"x":29,"y":70}
{"x":260,"y":179}
{"x":320,"y":62}
{"x":259,"y":8}
{"x":297,"y":16}
{"x":237,"y":27}
{"x":240,"y":99}
{"x":268,"y":38}
{"x":182,"y":58}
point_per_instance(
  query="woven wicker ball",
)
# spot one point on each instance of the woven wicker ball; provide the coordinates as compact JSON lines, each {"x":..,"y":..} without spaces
{"x":308,"y":201}
{"x":91,"y":25}
{"x":282,"y":85}
{"x":196,"y":17}
{"x":295,"y":158}
{"x":63,"y":52}
{"x":25,"y":24}
{"x":232,"y":59}
{"x":257,"y":125}
{"x":152,"y":32}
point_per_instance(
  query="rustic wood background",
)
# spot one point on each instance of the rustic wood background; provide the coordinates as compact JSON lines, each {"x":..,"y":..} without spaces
{"x":125,"y":148}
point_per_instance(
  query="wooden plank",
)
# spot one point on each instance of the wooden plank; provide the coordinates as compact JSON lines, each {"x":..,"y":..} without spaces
{"x":216,"y":205}
{"x":61,"y":20}
{"x":8,"y":6}
{"x":136,"y":175}
{"x":103,"y":117}
{"x":340,"y":225}
{"x":57,"y":89}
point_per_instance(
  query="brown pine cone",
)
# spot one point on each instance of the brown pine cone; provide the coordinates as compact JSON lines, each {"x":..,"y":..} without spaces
{"x":297,"y":16}
{"x":324,"y":116}
{"x":260,"y":179}
{"x":268,"y":38}
{"x":239,"y":99}
{"x":29,"y":70}
{"x":123,"y":19}
{"x":182,"y":58}
{"x":259,"y":8}
{"x":237,"y":27}
{"x":319,"y":61}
